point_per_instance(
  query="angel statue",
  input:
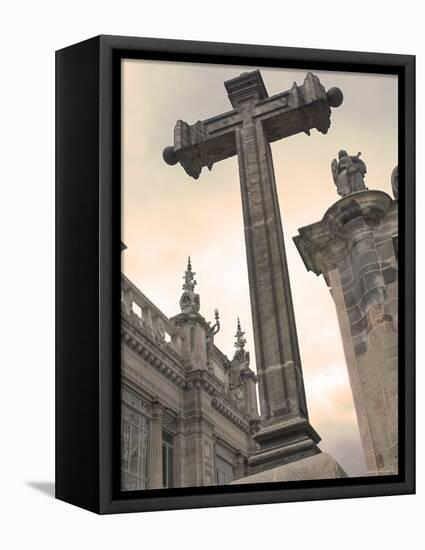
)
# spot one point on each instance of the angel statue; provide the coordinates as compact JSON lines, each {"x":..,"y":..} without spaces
{"x":348,"y":173}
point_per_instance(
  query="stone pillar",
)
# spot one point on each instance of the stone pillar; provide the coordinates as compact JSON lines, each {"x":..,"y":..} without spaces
{"x":179,"y":453}
{"x":194,"y":330}
{"x":353,"y":248}
{"x":127,"y":301}
{"x":155,"y":447}
{"x":147,"y":319}
{"x":249,"y":381}
{"x":176,"y":342}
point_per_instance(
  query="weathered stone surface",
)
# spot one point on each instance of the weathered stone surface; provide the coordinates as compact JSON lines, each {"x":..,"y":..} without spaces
{"x":319,"y":466}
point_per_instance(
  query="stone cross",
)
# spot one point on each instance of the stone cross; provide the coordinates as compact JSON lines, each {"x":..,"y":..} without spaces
{"x":247,"y":130}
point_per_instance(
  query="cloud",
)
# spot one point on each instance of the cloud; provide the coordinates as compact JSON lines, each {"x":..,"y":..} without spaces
{"x":333,"y":415}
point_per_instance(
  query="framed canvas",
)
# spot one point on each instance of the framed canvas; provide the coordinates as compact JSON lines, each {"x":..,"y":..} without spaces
{"x":235,"y":280}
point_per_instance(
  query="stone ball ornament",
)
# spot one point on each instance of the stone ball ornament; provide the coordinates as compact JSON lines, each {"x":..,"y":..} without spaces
{"x":335,"y":97}
{"x":169,"y":155}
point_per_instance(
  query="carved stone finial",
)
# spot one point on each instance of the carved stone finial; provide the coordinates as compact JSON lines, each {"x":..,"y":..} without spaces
{"x":189,"y":302}
{"x":240,"y":340}
{"x":335,"y":97}
{"x":189,"y":277}
{"x":348,"y":173}
{"x":216,"y":327}
{"x":169,"y":155}
{"x":240,"y":354}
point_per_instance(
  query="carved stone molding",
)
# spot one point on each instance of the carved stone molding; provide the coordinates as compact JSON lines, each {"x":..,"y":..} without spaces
{"x":223,"y":408}
{"x":203,"y":379}
{"x":323,"y":244}
{"x":161,"y":364}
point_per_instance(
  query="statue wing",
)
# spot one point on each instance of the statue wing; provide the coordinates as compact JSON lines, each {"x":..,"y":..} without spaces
{"x":357,"y":165}
{"x":334,"y":169}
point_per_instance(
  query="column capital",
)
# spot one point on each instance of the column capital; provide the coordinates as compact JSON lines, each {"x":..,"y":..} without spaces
{"x":157,"y":409}
{"x":323,"y":244}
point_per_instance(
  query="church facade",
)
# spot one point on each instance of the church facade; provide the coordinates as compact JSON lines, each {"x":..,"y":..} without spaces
{"x":188,"y":412}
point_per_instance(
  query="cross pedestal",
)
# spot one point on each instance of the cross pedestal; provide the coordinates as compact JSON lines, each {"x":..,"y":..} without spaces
{"x":256,"y":120}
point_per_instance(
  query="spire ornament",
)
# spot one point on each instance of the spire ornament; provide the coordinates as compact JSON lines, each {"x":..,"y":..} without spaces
{"x":189,"y":301}
{"x":189,"y":278}
{"x":241,"y":354}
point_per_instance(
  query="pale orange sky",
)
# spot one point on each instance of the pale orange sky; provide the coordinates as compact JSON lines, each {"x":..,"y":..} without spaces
{"x":167,"y":215}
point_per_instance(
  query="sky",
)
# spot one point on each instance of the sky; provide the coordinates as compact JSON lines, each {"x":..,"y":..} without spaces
{"x":167,"y":215}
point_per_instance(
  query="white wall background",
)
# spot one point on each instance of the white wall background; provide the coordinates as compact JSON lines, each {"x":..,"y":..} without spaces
{"x":29,"y":34}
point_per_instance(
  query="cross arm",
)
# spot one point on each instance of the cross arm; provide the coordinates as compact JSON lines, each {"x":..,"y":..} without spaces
{"x":297,"y":110}
{"x":203,"y":143}
{"x":300,"y":109}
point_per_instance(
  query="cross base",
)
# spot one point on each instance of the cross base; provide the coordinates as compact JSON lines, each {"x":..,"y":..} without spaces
{"x":284,"y":442}
{"x":319,"y":466}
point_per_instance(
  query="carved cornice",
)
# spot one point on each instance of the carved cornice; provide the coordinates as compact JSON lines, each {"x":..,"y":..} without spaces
{"x":155,"y":356}
{"x":190,"y":318}
{"x":323,"y":244}
{"x":201,"y":378}
{"x":228,"y":412}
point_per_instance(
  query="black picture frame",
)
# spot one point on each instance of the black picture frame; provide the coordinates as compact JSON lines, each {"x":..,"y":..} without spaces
{"x":88,"y":273}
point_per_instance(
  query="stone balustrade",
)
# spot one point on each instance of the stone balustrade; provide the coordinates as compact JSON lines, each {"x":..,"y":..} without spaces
{"x":141,"y":313}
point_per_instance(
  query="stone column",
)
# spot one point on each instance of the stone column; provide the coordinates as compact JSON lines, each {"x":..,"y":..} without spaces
{"x":353,"y":248}
{"x":249,"y":381}
{"x":155,"y":447}
{"x":285,"y":433}
{"x":179,"y":453}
